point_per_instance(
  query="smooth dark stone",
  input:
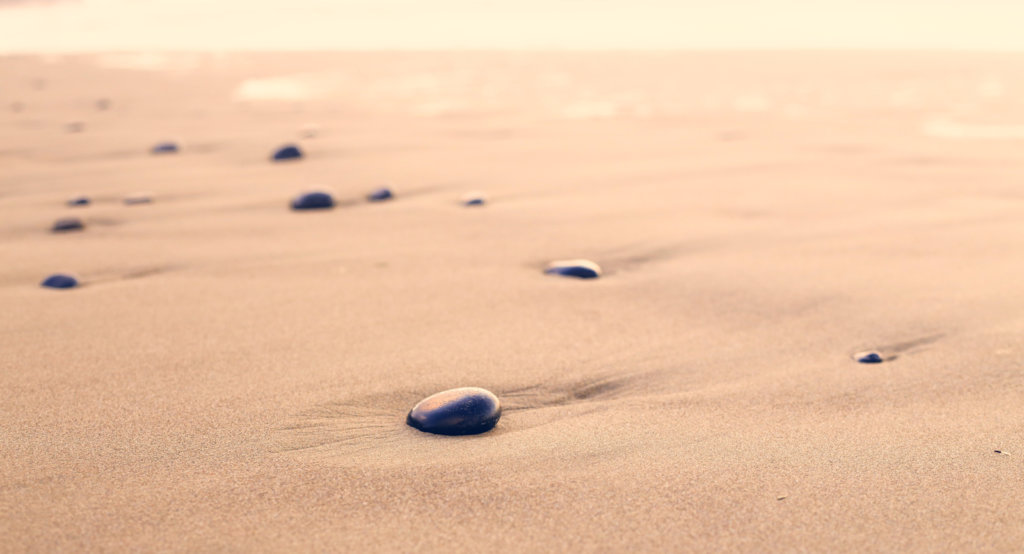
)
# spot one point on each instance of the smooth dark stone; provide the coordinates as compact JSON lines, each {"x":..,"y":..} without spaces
{"x":79,"y":201}
{"x":60,"y":281}
{"x":465,"y":411}
{"x":68,"y":224}
{"x":380,"y":195}
{"x":137,"y":199}
{"x":313,"y":201}
{"x":582,"y":269}
{"x":164,"y":148}
{"x":870,"y":358}
{"x":287,"y":152}
{"x":473,"y":199}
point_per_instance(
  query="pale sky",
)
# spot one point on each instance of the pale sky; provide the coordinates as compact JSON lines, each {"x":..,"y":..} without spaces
{"x":104,"y":25}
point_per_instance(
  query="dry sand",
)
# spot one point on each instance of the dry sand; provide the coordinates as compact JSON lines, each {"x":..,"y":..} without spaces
{"x":234,"y":376}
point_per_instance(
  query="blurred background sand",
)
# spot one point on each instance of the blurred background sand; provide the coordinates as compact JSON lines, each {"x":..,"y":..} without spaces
{"x":235,"y":376}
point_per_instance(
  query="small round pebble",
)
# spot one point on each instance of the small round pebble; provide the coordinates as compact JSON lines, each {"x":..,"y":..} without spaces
{"x":60,"y":281}
{"x":79,"y":201}
{"x":137,"y":199}
{"x":870,"y":358}
{"x":164,"y":148}
{"x":65,"y":224}
{"x":463,"y":411}
{"x":313,"y":201}
{"x":582,"y":269}
{"x":287,"y":152}
{"x":380,"y":195}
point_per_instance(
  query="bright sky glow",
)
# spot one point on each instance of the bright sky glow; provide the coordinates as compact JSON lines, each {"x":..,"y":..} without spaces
{"x":103,"y":25}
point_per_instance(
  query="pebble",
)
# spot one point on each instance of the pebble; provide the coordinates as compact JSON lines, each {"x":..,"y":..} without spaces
{"x":287,"y":152}
{"x":68,"y":224}
{"x":583,"y":269}
{"x":869,"y":358}
{"x":60,"y":281}
{"x":380,"y":195}
{"x":79,"y":201}
{"x":473,"y":199}
{"x":313,"y":201}
{"x":164,"y":148}
{"x":136,"y":199}
{"x":462,"y":411}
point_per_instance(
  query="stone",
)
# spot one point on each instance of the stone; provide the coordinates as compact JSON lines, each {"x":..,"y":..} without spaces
{"x":166,"y":147}
{"x":380,"y":195}
{"x":869,"y":358}
{"x":462,"y":411}
{"x":60,"y":281}
{"x":313,"y":201}
{"x":287,"y":152}
{"x":79,"y":201}
{"x":473,"y":199}
{"x":65,"y":224}
{"x":137,"y":199}
{"x":582,"y":269}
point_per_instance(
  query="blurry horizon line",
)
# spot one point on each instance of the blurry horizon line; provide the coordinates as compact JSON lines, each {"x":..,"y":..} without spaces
{"x":503,"y":50}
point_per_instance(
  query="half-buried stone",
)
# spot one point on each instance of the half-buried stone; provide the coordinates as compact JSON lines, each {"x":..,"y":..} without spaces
{"x":474,"y":199}
{"x":79,"y":201}
{"x":380,"y":195}
{"x":286,"y":152}
{"x":66,"y":224}
{"x":60,"y":281}
{"x":463,"y":411}
{"x":869,"y":358}
{"x":138,"y":198}
{"x":166,"y":147}
{"x":313,"y":201}
{"x":581,"y":269}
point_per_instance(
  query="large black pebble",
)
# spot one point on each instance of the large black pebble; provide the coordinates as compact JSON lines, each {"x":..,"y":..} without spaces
{"x":65,"y":224}
{"x":164,"y":148}
{"x":870,"y":358}
{"x":60,"y":281}
{"x":313,"y":201}
{"x":287,"y":152}
{"x":380,"y":195}
{"x":463,"y":411}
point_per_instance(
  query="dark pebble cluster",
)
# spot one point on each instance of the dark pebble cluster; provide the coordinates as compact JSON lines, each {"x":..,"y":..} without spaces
{"x":460,"y":411}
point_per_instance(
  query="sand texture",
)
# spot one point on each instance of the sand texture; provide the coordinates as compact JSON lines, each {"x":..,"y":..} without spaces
{"x":235,"y":376}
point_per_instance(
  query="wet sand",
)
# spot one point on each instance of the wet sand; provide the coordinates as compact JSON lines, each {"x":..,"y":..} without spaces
{"x":233,"y":375}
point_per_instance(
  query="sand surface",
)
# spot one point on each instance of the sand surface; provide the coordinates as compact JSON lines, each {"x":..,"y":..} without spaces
{"x":234,"y":376}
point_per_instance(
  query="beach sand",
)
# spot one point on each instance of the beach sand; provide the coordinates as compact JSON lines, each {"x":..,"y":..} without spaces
{"x":235,"y":376}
